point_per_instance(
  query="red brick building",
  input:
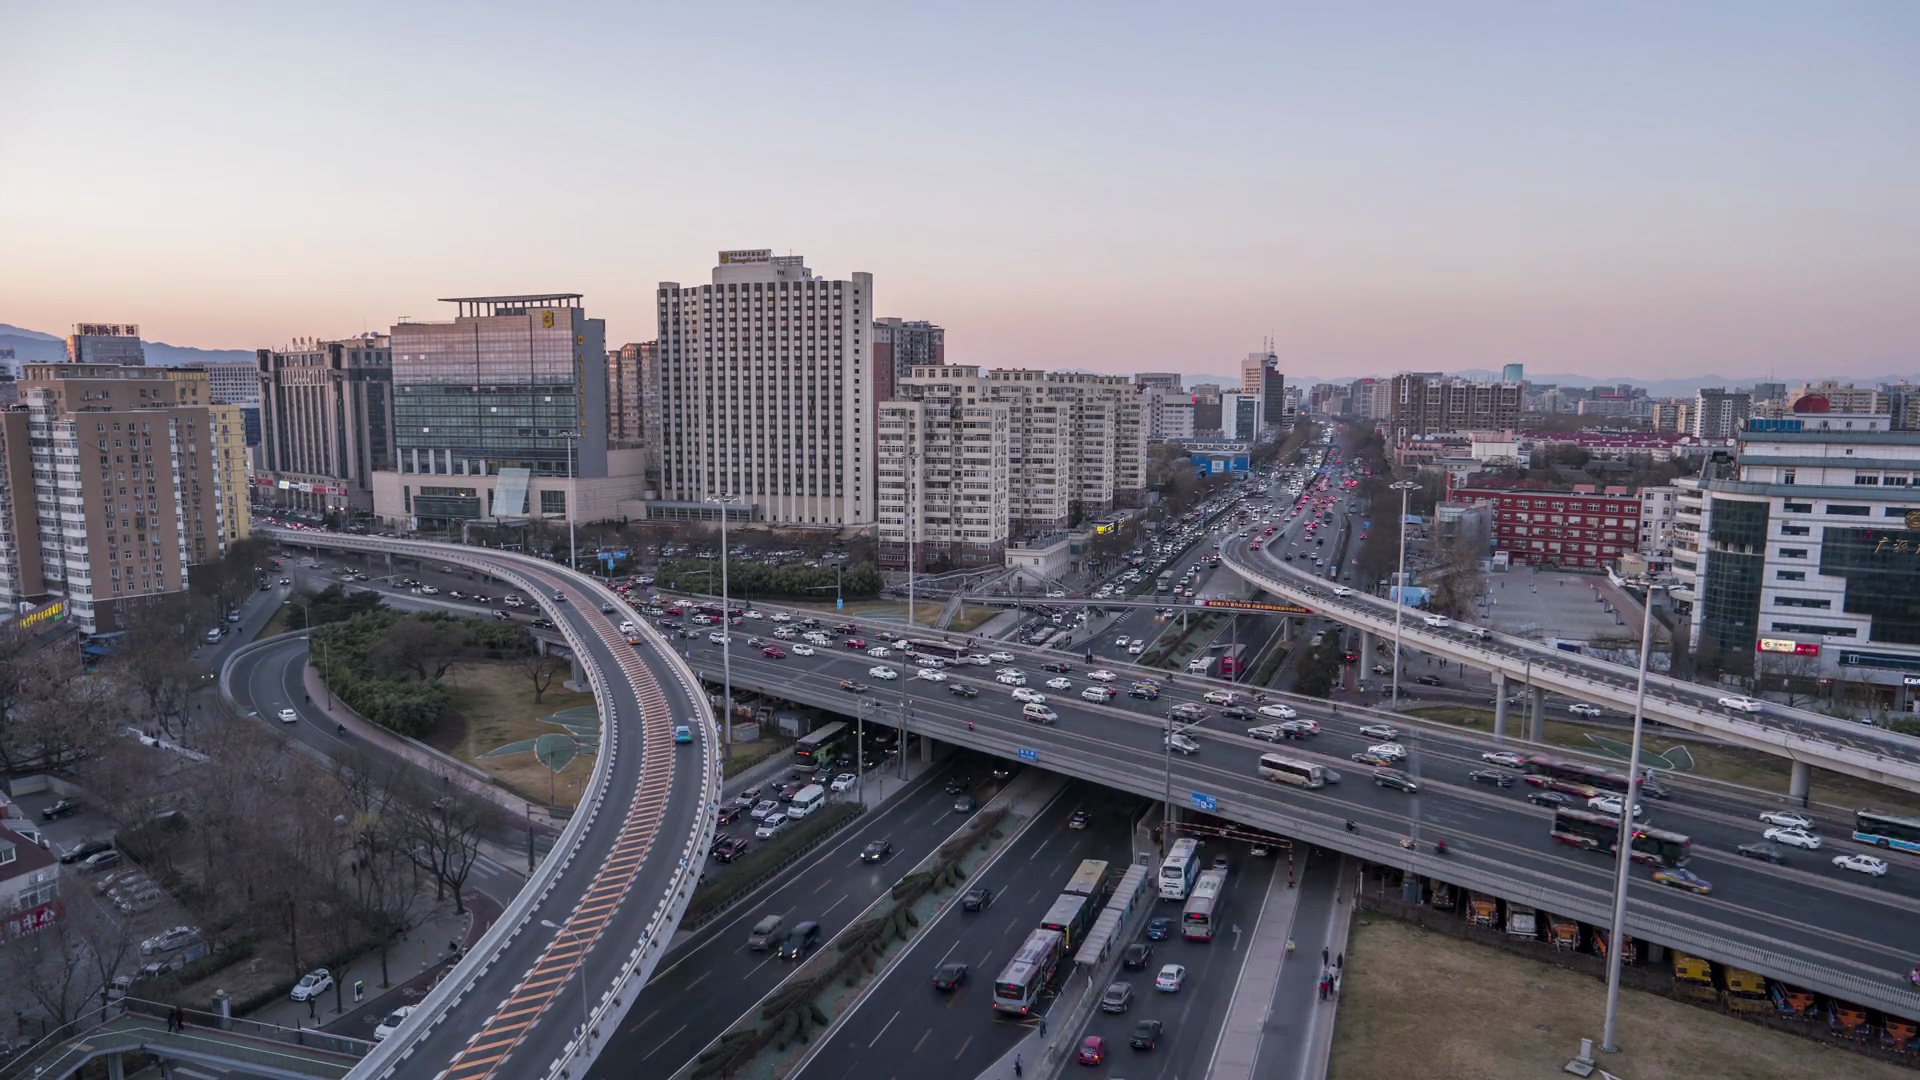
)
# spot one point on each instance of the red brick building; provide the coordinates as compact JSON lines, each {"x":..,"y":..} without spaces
{"x":1586,"y":528}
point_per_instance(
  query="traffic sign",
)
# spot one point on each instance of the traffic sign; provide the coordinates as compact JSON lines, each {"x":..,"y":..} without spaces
{"x":1204,"y":802}
{"x":839,"y":604}
{"x":1028,"y":755}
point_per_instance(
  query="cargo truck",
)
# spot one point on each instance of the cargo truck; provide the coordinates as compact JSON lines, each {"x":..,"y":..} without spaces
{"x":1521,"y":922}
{"x":1693,"y":978}
{"x":1482,"y":910}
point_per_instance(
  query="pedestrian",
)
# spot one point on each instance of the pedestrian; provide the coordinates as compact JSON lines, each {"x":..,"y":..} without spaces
{"x":1043,"y":1027}
{"x":1323,"y":989}
{"x":1340,"y":962}
{"x":1324,"y":958}
{"x":1018,"y":1066}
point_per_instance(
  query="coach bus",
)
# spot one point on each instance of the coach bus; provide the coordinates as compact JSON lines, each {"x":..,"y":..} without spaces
{"x":820,"y":746}
{"x":1601,"y":832}
{"x":1289,"y":771}
{"x":1884,"y":830}
{"x":1203,"y":913}
{"x":1021,"y":982}
{"x":1178,"y":869}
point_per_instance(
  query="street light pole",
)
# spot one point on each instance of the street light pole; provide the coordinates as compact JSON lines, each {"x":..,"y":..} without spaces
{"x":585,"y":1016}
{"x":1615,"y":942}
{"x":726,"y":637}
{"x":1400,"y":588}
{"x":1166,"y":807}
{"x":573,"y":508}
{"x":912,"y":478}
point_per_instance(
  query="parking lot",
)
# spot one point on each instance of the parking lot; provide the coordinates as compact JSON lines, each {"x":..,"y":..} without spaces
{"x":1545,"y":603}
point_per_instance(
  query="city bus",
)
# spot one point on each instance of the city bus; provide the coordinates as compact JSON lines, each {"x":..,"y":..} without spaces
{"x":1019,"y":986}
{"x":1289,"y":771}
{"x":1177,"y":870}
{"x":935,"y":648}
{"x":1601,"y":832}
{"x":1884,"y":830}
{"x":820,"y":746}
{"x":1070,"y":916}
{"x":1542,"y":771}
{"x":1090,"y":881}
{"x":1203,"y":912}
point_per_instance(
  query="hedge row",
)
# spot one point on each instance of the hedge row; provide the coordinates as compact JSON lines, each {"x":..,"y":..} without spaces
{"x":756,"y":866}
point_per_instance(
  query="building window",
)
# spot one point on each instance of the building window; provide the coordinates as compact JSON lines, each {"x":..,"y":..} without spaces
{"x":1843,"y":510}
{"x":1810,"y":628}
{"x":553,"y":503}
{"x":1795,"y":530}
{"x":1793,"y":553}
{"x":1797,"y":507}
{"x":1802,"y":602}
{"x":1790,"y":575}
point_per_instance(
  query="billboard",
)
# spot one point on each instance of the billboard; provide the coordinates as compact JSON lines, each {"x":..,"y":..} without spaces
{"x":1221,"y":464}
{"x":1257,"y":605}
{"x":1785,"y":645}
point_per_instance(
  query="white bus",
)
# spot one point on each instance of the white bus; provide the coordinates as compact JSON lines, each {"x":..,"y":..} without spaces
{"x":1018,"y":988}
{"x":1177,"y":870}
{"x":1290,"y":771}
{"x":1202,"y":915}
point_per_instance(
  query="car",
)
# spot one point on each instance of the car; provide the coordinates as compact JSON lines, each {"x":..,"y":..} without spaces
{"x":392,"y":1021}
{"x":774,"y":652}
{"x":1079,"y":819}
{"x":1278,"y":712}
{"x":1010,"y":678}
{"x":1763,"y":850}
{"x":781,"y":616}
{"x":1743,"y":704}
{"x":1799,"y":838}
{"x":1787,"y":819}
{"x":1612,"y":805}
{"x":763,"y":808}
{"x":729,"y":848}
{"x":1368,"y":757}
{"x":168,"y":940}
{"x":1390,"y":750}
{"x":717,"y":638}
{"x":855,"y":643}
{"x":879,"y":652}
{"x":1394,"y":778}
{"x":60,"y":809}
{"x":1267,"y":733}
{"x":1102,"y":675}
{"x":1182,"y":744}
{"x":288,"y":716}
{"x":557,"y":595}
{"x":1118,"y":996}
{"x":771,"y":826}
{"x":884,"y":674}
{"x":1097,"y":693}
{"x":1093,"y":1050}
{"x":978,"y":898}
{"x":844,"y":781}
{"x":1057,"y":666}
{"x":754,"y":615}
{"x":930,"y":675}
{"x":1497,"y":777}
{"x":965,"y":805}
{"x":1342,"y":590}
{"x":852,"y":687}
{"x":1581,"y":708}
{"x":99,"y":860}
{"x":1437,"y":620}
{"x":876,"y":851}
{"x":1060,"y":683}
{"x":802,"y":650}
{"x":312,"y":985}
{"x":1146,"y":1035}
{"x":1159,"y":929}
{"x":1430,"y":680}
{"x":1001,"y":657}
{"x":1217,"y":697}
{"x":1549,"y":798}
{"x":731,"y":812}
{"x":1137,"y":956}
{"x":682,"y":733}
{"x":1171,"y":978}
{"x":1031,"y":697}
{"x":1383,"y":732}
{"x":1144,"y":691}
{"x":949,"y":976}
{"x":962,"y":690}
{"x":1681,"y":878}
{"x":1506,"y":758}
{"x":1865,"y":864}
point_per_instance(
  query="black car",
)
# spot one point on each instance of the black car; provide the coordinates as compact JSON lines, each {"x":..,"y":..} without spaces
{"x":876,"y":850}
{"x":730,"y":848}
{"x":1429,"y":680}
{"x":1764,"y":850}
{"x":1137,"y":956}
{"x":965,"y":805}
{"x":729,"y":814}
{"x":84,"y":849}
{"x":1079,"y":819}
{"x":60,"y":809}
{"x":1549,"y":798}
{"x":1394,"y":778}
{"x":979,"y":898}
{"x":1496,"y":777}
{"x":1146,"y":1035}
{"x":949,"y":976}
{"x":958,"y":785}
{"x":1057,"y":667}
{"x":1237,"y":712}
{"x":962,"y":690}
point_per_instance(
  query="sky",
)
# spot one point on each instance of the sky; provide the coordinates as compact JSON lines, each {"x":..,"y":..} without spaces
{"x":1640,"y":190}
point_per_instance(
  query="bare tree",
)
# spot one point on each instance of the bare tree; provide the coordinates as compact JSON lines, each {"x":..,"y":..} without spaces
{"x":1459,"y":581}
{"x":444,"y":824}
{"x":106,"y":941}
{"x":158,"y":661}
{"x":1791,"y":675}
{"x":426,"y":647}
{"x":50,"y":968}
{"x":541,"y":669}
{"x":388,"y":885}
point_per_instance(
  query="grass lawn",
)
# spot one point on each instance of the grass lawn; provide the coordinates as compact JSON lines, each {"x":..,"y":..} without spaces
{"x":1419,"y":1004}
{"x":491,"y":705}
{"x":279,"y":624}
{"x":1733,"y":764}
{"x":748,"y":754}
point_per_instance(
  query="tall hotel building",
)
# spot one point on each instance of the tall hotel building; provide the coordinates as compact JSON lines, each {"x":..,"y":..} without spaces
{"x":943,"y":457}
{"x":326,"y":422}
{"x":501,"y":415}
{"x":769,"y":394}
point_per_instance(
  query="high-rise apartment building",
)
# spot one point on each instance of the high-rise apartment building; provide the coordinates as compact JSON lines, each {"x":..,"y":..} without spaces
{"x":627,"y":392}
{"x":106,"y":343}
{"x":1839,"y":397}
{"x":1158,"y":380}
{"x":943,"y":460}
{"x":1273,"y":397}
{"x":113,"y":485}
{"x":1672,"y":417}
{"x":1253,"y":372}
{"x":1105,"y":434}
{"x":900,"y":345}
{"x":501,"y":414}
{"x":237,"y":383}
{"x":1429,"y":403}
{"x":326,"y":422}
{"x":1718,"y":414}
{"x":768,"y":394}
{"x":1040,"y":452}
{"x":1770,"y":391}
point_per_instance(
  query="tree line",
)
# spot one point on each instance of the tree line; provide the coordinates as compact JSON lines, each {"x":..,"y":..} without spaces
{"x":388,"y":666}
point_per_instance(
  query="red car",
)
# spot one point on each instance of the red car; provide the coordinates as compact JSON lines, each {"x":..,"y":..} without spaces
{"x":1093,"y":1050}
{"x":856,"y":643}
{"x":774,"y":652}
{"x":675,"y":611}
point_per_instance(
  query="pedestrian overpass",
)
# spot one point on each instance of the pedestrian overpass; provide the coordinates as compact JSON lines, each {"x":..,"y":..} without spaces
{"x":138,"y":1027}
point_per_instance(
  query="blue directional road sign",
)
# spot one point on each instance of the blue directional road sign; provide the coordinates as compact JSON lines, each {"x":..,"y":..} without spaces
{"x":1204,"y":802}
{"x":1028,"y":755}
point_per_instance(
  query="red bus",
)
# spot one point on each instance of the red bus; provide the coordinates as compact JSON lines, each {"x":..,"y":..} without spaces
{"x":1542,"y":771}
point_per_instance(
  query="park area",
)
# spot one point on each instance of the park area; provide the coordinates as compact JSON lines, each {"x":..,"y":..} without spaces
{"x":492,"y":722}
{"x":1419,"y":1004}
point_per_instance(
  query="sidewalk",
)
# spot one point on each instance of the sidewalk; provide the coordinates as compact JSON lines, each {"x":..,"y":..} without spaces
{"x":1299,"y":1022}
{"x":1237,"y":1050}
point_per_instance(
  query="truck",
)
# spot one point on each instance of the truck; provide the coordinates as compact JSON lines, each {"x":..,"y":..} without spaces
{"x":1521,"y":922}
{"x":1790,"y":1002}
{"x":1563,"y":933}
{"x":1200,"y":665}
{"x":1483,"y":910}
{"x":1442,"y":896}
{"x":1746,"y":991}
{"x":1693,"y":978}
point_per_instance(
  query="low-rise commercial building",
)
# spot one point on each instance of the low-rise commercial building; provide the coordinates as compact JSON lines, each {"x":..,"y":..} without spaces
{"x":1585,"y":528}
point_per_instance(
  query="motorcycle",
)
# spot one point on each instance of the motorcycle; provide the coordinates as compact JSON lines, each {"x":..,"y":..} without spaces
{"x":1439,"y":847}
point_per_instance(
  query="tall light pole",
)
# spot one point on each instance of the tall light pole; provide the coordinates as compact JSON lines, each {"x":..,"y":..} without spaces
{"x":1400,"y":588}
{"x":1625,"y":858}
{"x":570,"y":934}
{"x":912,"y":478}
{"x":1166,"y":807}
{"x":573,"y":503}
{"x":726,"y":635}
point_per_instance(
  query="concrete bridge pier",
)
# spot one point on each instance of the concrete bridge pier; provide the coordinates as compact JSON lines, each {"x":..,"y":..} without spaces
{"x":1366,"y":653}
{"x":1536,"y":722}
{"x":926,"y":750}
{"x":579,"y":672}
{"x":1799,"y":781}
{"x":1499,"y":705}
{"x":116,"y":1067}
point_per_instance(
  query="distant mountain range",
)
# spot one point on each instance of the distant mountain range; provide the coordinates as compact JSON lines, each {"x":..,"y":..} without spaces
{"x":34,"y":347}
{"x":1680,"y":387}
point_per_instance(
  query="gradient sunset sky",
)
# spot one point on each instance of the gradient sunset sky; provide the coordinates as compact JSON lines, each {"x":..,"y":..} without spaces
{"x":1613,"y":189}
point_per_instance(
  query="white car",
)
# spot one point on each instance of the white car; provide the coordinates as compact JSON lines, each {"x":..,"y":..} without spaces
{"x":1097,"y":693}
{"x":1217,"y":697}
{"x":288,"y":716}
{"x":1139,"y":646}
{"x":1278,"y":712}
{"x":627,"y":628}
{"x":1787,"y":819}
{"x":844,"y":781}
{"x":1865,"y":864}
{"x":1170,"y":978}
{"x":1182,"y":744}
{"x":312,"y":985}
{"x":977,"y":659}
{"x":754,"y":615}
{"x":781,"y":616}
{"x":1000,"y":657}
{"x":763,"y":809}
{"x":1122,"y":641}
{"x":168,"y":940}
{"x":882,"y":672}
{"x":879,"y":652}
{"x":717,"y":638}
{"x":1031,"y":697}
{"x":1060,"y":683}
{"x":1266,"y":733}
{"x":771,"y":826}
{"x":930,"y":675}
{"x":1438,"y":620}
{"x":1390,"y":750}
{"x":1011,"y":678}
{"x":1611,"y":804}
{"x":1383,"y":732}
{"x":1102,"y":675}
{"x":1342,"y":590}
{"x":1799,"y":838}
{"x":1744,"y":704}
{"x":802,"y":650}
{"x":1581,"y":708}
{"x":392,"y":1022}
{"x":1507,"y":758}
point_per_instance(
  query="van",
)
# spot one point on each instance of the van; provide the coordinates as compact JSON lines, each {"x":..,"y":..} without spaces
{"x":1038,"y":713}
{"x":1199,"y":665}
{"x":806,"y":801}
{"x":764,"y":932}
{"x":801,"y":940}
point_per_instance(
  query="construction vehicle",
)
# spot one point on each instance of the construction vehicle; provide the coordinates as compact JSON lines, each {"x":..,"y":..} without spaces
{"x":1563,"y":933}
{"x":1897,"y":1034}
{"x":1693,"y":978}
{"x":1791,"y":1003}
{"x":1629,"y":950}
{"x":1848,"y":1020}
{"x":1443,"y":898}
{"x":1746,"y":991}
{"x":1521,"y":921}
{"x":1483,"y":910}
